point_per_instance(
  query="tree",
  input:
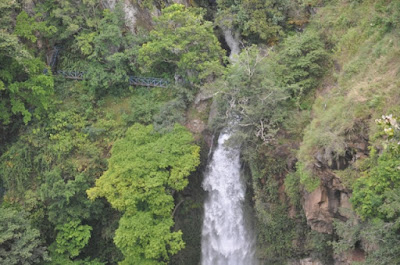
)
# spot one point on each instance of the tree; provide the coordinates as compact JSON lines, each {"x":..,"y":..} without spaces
{"x":19,"y":241}
{"x":260,"y":20}
{"x":144,"y":170}
{"x":183,"y":44}
{"x":70,"y":17}
{"x":65,"y":199}
{"x":72,"y":237}
{"x":111,"y":53}
{"x":376,"y":199}
{"x":375,"y":193}
{"x":252,"y":97}
{"x":301,"y":63}
{"x":24,"y":89}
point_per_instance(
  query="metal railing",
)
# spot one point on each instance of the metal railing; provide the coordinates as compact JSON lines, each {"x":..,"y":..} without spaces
{"x":79,"y":75}
{"x":148,"y":81}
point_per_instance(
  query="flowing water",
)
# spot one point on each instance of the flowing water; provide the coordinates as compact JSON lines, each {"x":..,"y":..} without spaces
{"x":225,"y":237}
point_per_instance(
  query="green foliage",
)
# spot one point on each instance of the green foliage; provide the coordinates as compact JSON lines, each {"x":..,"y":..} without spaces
{"x":24,"y":89}
{"x":65,"y":199}
{"x":349,"y":234}
{"x":260,"y":21}
{"x":386,"y":237}
{"x":7,"y":8}
{"x":378,"y":238}
{"x":111,"y":52}
{"x":170,"y":113}
{"x":16,"y":167}
{"x":307,"y":179}
{"x":355,"y":89}
{"x":373,"y":193}
{"x":72,"y":237}
{"x":348,"y":176}
{"x":48,"y":171}
{"x":19,"y":241}
{"x":320,"y":246}
{"x":182,"y":45}
{"x":371,"y":190}
{"x":61,"y":260}
{"x":275,"y":230}
{"x":376,"y":199}
{"x":144,"y":168}
{"x":292,"y":189}
{"x":95,"y":41}
{"x":70,"y":17}
{"x":154,"y":240}
{"x":54,"y":161}
{"x":246,"y":92}
{"x":26,"y":26}
{"x":301,"y":63}
{"x":387,"y":17}
{"x":328,"y":134}
{"x":146,"y":104}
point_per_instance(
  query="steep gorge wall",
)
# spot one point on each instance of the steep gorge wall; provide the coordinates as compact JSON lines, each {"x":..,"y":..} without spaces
{"x":331,"y":199}
{"x":137,"y":14}
{"x":357,"y":89}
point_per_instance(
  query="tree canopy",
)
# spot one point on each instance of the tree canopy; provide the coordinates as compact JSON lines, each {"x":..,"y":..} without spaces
{"x":24,"y":89}
{"x":19,"y":241}
{"x":182,"y":43}
{"x":144,"y":170}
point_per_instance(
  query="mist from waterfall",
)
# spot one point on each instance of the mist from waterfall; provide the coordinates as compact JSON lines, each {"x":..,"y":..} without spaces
{"x":225,"y":237}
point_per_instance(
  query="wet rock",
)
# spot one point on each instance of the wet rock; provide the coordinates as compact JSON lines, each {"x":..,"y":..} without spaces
{"x":306,"y":261}
{"x":196,"y":126}
{"x":130,"y":15}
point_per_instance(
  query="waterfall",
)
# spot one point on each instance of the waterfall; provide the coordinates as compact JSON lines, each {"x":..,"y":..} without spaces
{"x":232,"y":39}
{"x":225,"y":238}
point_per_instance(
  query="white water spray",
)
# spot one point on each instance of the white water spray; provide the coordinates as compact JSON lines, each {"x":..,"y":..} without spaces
{"x":225,"y":238}
{"x":232,"y":39}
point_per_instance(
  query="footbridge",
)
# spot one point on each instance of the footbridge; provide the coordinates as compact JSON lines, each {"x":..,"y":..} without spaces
{"x":80,"y":75}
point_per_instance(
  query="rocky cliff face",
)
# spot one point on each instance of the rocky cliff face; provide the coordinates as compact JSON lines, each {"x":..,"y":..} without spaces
{"x":331,"y":200}
{"x":322,"y":205}
{"x":137,"y":15}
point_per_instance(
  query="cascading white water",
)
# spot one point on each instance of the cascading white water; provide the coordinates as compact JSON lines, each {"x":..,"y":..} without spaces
{"x":232,"y":39}
{"x":225,"y":238}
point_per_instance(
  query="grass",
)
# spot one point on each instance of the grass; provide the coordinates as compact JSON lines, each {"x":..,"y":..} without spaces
{"x":363,"y":85}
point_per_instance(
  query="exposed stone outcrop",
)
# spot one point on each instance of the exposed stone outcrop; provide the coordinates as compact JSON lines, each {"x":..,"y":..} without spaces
{"x":306,"y":261}
{"x":130,"y":15}
{"x":355,"y":255}
{"x":135,"y":15}
{"x":182,"y":2}
{"x":325,"y":203}
{"x":232,"y":39}
{"x":331,"y":200}
{"x":28,"y":6}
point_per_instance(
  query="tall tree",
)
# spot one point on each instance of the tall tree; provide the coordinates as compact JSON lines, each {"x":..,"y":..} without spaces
{"x":24,"y":89}
{"x":144,"y":170}
{"x":182,"y":43}
{"x":19,"y":241}
{"x":246,"y":92}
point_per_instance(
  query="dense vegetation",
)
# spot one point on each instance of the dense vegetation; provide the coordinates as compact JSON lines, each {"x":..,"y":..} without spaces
{"x":99,"y":172}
